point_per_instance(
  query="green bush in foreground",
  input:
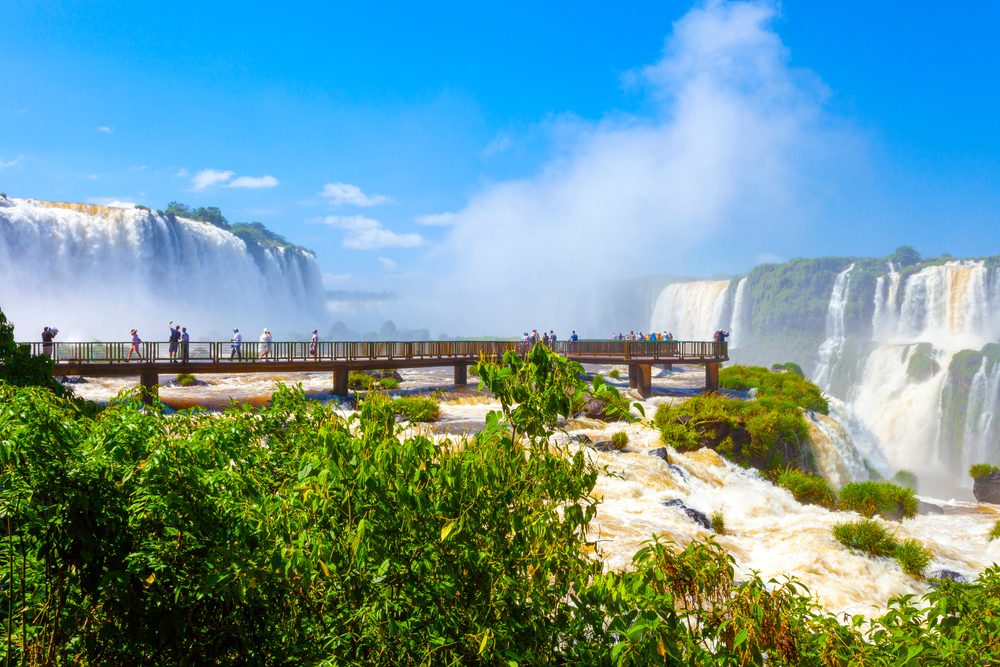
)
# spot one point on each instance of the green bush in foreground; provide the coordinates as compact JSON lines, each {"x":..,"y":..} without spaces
{"x":808,"y":488}
{"x":882,"y":498}
{"x":980,"y":470}
{"x":417,"y":408}
{"x":872,"y":538}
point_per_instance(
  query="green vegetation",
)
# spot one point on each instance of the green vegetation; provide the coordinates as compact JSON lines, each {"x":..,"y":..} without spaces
{"x":995,"y":532}
{"x":361,"y":382}
{"x":791,"y":388}
{"x":872,"y":538}
{"x":614,"y":374}
{"x":808,"y":488}
{"x":18,"y":367}
{"x":186,"y":379}
{"x":388,"y":383}
{"x":254,"y":234}
{"x":906,"y":479}
{"x":789,"y":366}
{"x":619,"y":439}
{"x":881,"y":497}
{"x":718,"y":521}
{"x":143,"y":208}
{"x":980,"y":470}
{"x":417,"y":408}
{"x":922,"y":365}
{"x":289,"y":535}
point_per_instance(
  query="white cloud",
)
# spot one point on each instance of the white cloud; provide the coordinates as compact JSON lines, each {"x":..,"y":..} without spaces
{"x":92,"y":177}
{"x":738,"y":154}
{"x":345,"y":193}
{"x":206,"y":178}
{"x":500,"y":144}
{"x":181,"y":173}
{"x":253,"y":182}
{"x":442,"y":219}
{"x":113,"y":202}
{"x":137,"y":168}
{"x":105,"y":129}
{"x":388,"y":265}
{"x":11,"y":163}
{"x":369,"y":234}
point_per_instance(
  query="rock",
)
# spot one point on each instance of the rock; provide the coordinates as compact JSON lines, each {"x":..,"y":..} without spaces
{"x":597,"y":409}
{"x":923,"y":509}
{"x":383,"y":375}
{"x":693,"y":514}
{"x":679,"y":470}
{"x":946,"y":575}
{"x":62,"y":379}
{"x":660,"y":453}
{"x":987,"y":489}
{"x":581,"y":438}
{"x":604,"y":446}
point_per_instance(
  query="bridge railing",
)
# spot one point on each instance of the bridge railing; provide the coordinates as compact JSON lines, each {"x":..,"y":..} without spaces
{"x":223,"y":351}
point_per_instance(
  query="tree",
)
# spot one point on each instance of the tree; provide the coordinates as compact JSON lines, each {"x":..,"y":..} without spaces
{"x":905,"y":255}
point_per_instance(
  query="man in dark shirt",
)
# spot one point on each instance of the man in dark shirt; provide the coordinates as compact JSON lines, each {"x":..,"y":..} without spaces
{"x":175,"y":336}
{"x":47,"y":336}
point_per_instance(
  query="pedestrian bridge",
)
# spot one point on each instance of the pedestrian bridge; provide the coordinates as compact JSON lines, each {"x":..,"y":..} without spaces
{"x":340,"y":358}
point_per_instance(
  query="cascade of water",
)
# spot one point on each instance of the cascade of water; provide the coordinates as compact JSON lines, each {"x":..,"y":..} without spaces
{"x":691,"y":311}
{"x":980,"y":435}
{"x":946,"y":305}
{"x":843,"y":445}
{"x":97,"y":272}
{"x":740,"y":326}
{"x":835,"y":337}
{"x":885,"y":318}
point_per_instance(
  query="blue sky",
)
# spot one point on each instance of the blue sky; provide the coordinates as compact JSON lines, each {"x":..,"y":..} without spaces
{"x":879,"y":123}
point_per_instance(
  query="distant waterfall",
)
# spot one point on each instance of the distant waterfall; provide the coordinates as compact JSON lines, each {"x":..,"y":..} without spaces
{"x":886,"y":313}
{"x":980,"y":436}
{"x":97,"y":272}
{"x":691,"y":311}
{"x":740,"y":326}
{"x":835,"y":335}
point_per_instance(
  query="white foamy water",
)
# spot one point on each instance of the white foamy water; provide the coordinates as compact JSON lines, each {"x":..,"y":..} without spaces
{"x":740,"y":326}
{"x":691,"y":311}
{"x":835,"y":334}
{"x":96,"y":272}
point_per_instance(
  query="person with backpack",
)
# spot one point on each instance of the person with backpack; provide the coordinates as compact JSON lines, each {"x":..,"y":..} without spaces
{"x":175,"y":337}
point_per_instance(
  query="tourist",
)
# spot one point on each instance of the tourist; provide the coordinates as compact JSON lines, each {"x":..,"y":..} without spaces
{"x":265,"y":338}
{"x":313,"y":344}
{"x":573,"y":340}
{"x":47,"y":336}
{"x":135,"y":346}
{"x":552,"y":338}
{"x":185,"y":342}
{"x":237,"y":343}
{"x":545,"y":338}
{"x":175,"y":337}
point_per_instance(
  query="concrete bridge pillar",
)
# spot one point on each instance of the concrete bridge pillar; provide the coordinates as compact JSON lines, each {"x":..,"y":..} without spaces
{"x":633,"y":376}
{"x":340,"y":375}
{"x":644,"y":379}
{"x":711,"y":378}
{"x":149,"y":379}
{"x":461,"y":374}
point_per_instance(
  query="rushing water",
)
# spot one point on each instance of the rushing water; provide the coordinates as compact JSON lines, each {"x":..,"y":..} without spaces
{"x":96,"y":272}
{"x":835,"y":333}
{"x":691,"y":311}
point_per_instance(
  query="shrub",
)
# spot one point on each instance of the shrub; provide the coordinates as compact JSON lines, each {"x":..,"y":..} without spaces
{"x":868,"y":536}
{"x":786,"y":386}
{"x":906,"y":479}
{"x":980,"y":470}
{"x":718,"y":521}
{"x":388,"y":383}
{"x":913,"y":557}
{"x":186,"y":379}
{"x":995,"y":533}
{"x":417,"y":408}
{"x":882,"y":498}
{"x":808,"y":488}
{"x":789,"y":366}
{"x":619,"y":439}
{"x":614,"y":374}
{"x":361,"y":381}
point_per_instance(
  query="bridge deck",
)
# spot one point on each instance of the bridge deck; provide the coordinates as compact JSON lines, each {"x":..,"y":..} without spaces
{"x":154,"y":358}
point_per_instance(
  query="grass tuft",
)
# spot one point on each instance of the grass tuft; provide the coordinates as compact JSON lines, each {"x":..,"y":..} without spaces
{"x":186,"y":379}
{"x":619,"y":439}
{"x":718,"y":521}
{"x":615,"y":374}
{"x":882,"y":498}
{"x":808,"y":488}
{"x":906,"y":479}
{"x":868,"y":536}
{"x":980,"y":470}
{"x":913,"y":557}
{"x":417,"y":408}
{"x":995,"y":533}
{"x":388,"y":383}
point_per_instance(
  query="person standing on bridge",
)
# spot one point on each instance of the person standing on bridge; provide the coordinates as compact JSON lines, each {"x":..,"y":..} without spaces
{"x":552,"y":337}
{"x":237,"y":344}
{"x":135,"y":346}
{"x":47,"y":336}
{"x":185,"y":341}
{"x":313,"y":344}
{"x":265,"y":338}
{"x":175,"y":337}
{"x":545,"y":338}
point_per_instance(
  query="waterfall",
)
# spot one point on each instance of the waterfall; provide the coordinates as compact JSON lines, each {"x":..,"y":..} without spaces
{"x":884,"y":321}
{"x":691,"y":311}
{"x":96,"y":272}
{"x":835,"y":337}
{"x":842,"y":445}
{"x":740,"y":326}
{"x":980,"y":433}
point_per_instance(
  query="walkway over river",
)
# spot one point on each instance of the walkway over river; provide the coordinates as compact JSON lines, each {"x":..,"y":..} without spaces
{"x":340,"y":358}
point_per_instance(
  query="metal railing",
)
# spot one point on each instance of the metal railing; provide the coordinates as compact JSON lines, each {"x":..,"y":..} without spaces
{"x":222,"y":352}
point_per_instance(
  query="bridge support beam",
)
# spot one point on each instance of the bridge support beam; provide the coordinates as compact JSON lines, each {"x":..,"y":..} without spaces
{"x":711,"y":377}
{"x":461,"y":374}
{"x":633,"y":376}
{"x":149,"y":379}
{"x":643,"y":379}
{"x":340,"y":376}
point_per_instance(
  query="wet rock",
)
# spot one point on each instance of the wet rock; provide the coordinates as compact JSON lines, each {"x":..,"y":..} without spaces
{"x":660,"y":453}
{"x":196,"y":383}
{"x":947,"y":575}
{"x":924,"y":509}
{"x":604,"y":446}
{"x":987,"y":489}
{"x":63,"y":379}
{"x":598,"y":409}
{"x":679,"y":470}
{"x":693,"y":514}
{"x":581,"y":438}
{"x":383,"y":375}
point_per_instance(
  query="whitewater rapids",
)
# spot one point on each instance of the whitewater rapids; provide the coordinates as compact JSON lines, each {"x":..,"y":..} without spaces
{"x":767,"y":530}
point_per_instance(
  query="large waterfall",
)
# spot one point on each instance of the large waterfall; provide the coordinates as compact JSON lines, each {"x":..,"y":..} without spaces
{"x":691,"y":311}
{"x":835,"y":332}
{"x":97,"y":272}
